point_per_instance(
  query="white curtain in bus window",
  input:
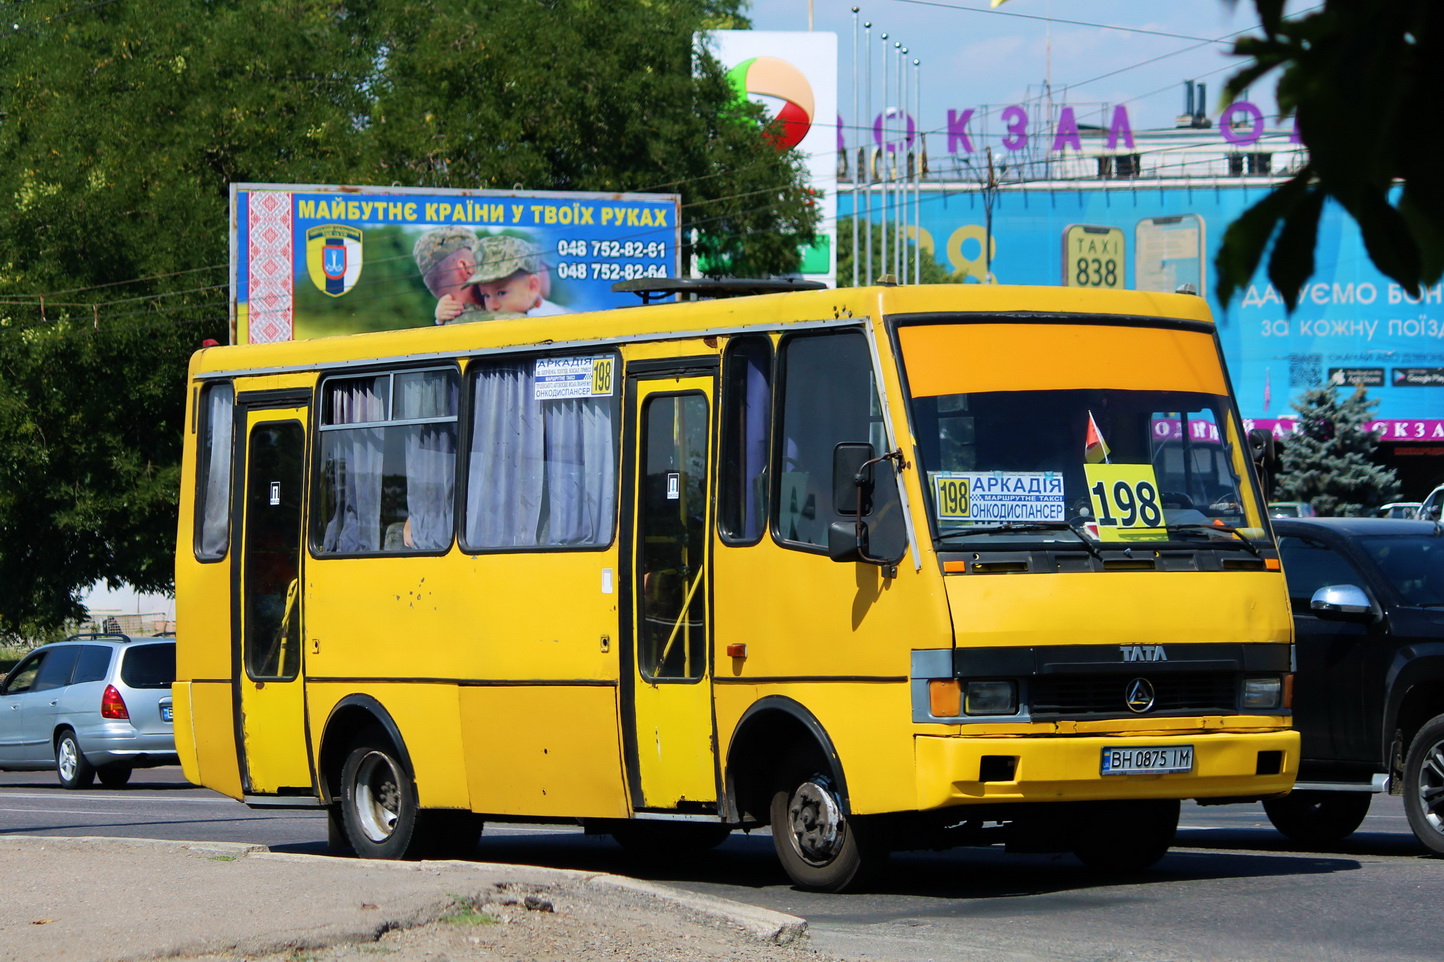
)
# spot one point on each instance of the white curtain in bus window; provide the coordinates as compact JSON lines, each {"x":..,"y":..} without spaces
{"x":428,"y":398}
{"x":215,"y":493}
{"x":388,"y":462}
{"x":542,"y":468}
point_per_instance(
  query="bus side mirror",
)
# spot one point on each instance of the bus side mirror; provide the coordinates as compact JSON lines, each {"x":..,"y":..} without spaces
{"x":847,"y":540}
{"x":853,"y":490}
{"x":1265,"y":451}
{"x":852,"y":479}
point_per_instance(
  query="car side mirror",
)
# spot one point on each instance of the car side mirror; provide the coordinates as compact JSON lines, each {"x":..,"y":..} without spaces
{"x":1342,"y":603}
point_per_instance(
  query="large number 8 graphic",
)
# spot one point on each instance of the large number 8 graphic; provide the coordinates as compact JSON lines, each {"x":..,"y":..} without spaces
{"x":1137,"y":503}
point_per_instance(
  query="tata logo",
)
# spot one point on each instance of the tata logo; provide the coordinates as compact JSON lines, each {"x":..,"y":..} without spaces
{"x":1143,"y":653}
{"x":1138,"y":695}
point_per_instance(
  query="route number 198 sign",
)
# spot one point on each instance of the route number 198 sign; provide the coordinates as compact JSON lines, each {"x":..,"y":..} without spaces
{"x":1093,"y":257}
{"x":1126,"y":504}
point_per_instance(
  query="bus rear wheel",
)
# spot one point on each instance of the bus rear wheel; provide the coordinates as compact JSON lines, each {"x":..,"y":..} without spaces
{"x":821,"y":847}
{"x":378,"y":803}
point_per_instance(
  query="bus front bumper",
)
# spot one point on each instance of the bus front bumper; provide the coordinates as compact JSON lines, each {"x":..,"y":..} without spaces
{"x":961,"y":770}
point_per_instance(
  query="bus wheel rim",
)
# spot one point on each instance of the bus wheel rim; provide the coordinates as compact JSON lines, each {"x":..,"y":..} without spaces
{"x":378,"y":796}
{"x":815,"y":823}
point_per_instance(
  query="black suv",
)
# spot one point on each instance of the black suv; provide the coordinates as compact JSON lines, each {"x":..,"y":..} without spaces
{"x":1368,"y":604}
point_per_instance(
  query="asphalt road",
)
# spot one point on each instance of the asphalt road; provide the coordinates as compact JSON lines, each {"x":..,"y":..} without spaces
{"x":1231,"y":888}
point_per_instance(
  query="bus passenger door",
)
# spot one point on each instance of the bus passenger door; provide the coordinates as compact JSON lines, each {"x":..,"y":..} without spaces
{"x":266,"y":640}
{"x":667,"y":689}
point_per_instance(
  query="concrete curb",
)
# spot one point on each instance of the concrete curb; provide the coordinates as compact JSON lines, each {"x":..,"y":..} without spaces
{"x":764,"y":925}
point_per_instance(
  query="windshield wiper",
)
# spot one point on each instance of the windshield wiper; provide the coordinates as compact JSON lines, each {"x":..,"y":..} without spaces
{"x":1226,"y":528}
{"x":1013,"y":527}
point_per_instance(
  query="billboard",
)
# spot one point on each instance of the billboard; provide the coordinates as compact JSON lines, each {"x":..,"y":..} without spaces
{"x":313,"y":261}
{"x":1352,"y":326}
{"x":793,"y":74}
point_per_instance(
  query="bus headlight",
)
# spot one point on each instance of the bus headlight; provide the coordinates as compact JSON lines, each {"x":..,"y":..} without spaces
{"x":990,"y":698}
{"x":1262,"y":693}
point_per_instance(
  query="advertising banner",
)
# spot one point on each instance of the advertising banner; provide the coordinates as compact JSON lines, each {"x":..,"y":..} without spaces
{"x":309,"y":261}
{"x":794,"y":75}
{"x":1352,"y":326}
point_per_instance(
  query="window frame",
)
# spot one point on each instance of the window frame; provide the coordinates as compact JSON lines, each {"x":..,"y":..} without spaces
{"x":469,"y":377}
{"x":315,"y":523}
{"x":727,"y":424}
{"x":779,"y":414}
{"x":205,"y":455}
{"x":703,"y":668}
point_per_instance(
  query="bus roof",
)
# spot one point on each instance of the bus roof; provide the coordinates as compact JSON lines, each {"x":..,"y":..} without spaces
{"x":799,"y":309}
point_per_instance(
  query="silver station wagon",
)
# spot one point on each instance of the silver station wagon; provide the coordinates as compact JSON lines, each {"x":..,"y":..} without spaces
{"x":93,"y":704}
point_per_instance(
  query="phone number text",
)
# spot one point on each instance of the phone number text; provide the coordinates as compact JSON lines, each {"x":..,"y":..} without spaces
{"x":579,"y":270}
{"x":611,"y":248}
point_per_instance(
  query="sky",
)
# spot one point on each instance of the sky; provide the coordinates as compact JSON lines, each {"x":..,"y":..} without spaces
{"x":1134,"y":52}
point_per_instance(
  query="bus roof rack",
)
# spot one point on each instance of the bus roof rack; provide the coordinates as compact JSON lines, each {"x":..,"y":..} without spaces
{"x":651,"y":289}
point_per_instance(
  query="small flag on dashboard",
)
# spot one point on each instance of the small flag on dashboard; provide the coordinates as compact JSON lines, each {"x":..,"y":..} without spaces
{"x":1095,"y":449}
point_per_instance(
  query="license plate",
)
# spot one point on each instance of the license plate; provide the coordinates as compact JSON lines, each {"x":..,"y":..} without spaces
{"x":1147,"y":760}
{"x":166,"y":713}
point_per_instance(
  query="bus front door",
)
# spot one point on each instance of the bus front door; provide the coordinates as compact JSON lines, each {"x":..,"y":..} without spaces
{"x":667,"y":690}
{"x":270,"y":689}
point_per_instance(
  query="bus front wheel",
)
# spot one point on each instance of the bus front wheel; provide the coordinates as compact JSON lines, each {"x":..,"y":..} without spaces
{"x":821,"y":847}
{"x":378,"y":803}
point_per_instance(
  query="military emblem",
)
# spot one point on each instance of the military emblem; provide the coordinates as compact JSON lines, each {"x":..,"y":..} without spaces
{"x":333,"y":257}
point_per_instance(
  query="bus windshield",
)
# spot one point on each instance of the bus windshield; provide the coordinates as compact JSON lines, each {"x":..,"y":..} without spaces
{"x":1144,"y":461}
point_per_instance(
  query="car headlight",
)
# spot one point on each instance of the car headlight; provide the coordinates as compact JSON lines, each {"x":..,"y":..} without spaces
{"x":1261,"y":693}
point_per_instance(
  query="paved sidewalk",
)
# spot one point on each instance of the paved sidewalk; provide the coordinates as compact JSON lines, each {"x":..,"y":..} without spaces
{"x":109,"y":900}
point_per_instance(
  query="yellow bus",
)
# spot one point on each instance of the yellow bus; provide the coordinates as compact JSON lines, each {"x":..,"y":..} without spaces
{"x":880,"y":568}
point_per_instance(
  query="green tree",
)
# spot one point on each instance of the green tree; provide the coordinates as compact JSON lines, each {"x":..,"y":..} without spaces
{"x":1363,"y":83}
{"x":1329,"y":461}
{"x":123,"y":125}
{"x":931,"y":272}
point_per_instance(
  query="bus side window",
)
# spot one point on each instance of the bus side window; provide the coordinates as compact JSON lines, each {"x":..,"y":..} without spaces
{"x":213,"y":473}
{"x":388,"y":463}
{"x":827,"y":398}
{"x":745,"y":440}
{"x":542,"y":468}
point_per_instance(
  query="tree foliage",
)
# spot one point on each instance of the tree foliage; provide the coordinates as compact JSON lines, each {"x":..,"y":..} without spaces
{"x":1362,"y":81}
{"x":1329,"y":461}
{"x":123,"y":124}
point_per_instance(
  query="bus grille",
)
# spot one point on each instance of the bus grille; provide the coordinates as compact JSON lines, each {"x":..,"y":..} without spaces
{"x":1176,"y":693}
